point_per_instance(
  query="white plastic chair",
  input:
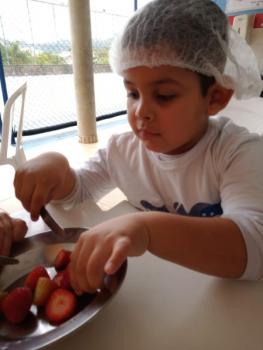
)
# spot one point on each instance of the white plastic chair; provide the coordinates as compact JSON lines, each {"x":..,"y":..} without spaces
{"x":13,"y":155}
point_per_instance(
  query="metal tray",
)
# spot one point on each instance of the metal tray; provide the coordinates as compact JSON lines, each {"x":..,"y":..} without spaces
{"x":35,"y":332}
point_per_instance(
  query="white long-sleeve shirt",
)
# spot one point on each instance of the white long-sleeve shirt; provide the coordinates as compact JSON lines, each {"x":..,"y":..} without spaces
{"x":221,"y":175}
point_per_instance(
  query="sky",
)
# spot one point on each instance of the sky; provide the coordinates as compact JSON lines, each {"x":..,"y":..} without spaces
{"x":34,"y":21}
{"x":38,"y":21}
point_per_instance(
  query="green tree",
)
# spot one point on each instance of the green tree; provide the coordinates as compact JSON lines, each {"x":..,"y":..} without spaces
{"x":49,"y":58}
{"x":4,"y":53}
{"x":12,"y":54}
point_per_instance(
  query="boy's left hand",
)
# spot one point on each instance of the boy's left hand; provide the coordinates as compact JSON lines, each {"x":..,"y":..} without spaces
{"x":11,"y":230}
{"x":104,"y":248}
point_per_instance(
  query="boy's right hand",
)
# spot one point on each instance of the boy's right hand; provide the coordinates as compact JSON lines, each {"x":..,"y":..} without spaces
{"x":104,"y":248}
{"x":42,"y":179}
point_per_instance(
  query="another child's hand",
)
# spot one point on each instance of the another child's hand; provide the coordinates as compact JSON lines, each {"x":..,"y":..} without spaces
{"x":42,"y":179}
{"x":11,"y":230}
{"x":104,"y":248}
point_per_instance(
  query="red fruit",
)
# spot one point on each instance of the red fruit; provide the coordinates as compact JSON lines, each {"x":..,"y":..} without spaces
{"x":17,"y":303}
{"x":3,"y":294}
{"x":60,"y":306}
{"x":44,"y":288}
{"x":62,"y":279}
{"x":33,"y":276}
{"x":62,"y":259}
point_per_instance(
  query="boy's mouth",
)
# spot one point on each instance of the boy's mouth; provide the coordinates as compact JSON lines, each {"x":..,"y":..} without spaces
{"x":145,"y":134}
{"x":144,"y":131}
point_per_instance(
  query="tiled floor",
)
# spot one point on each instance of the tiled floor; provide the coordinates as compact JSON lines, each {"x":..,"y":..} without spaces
{"x":65,"y":142}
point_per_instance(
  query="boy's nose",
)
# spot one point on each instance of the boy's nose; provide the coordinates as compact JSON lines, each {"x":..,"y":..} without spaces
{"x":143,"y":111}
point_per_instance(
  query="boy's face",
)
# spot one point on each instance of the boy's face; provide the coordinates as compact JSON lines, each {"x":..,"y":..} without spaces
{"x":166,"y":109}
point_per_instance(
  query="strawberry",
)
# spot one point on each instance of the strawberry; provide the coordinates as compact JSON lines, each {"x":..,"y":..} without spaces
{"x":60,"y":306}
{"x":62,"y":279}
{"x":16,"y":304}
{"x":3,"y":294}
{"x":33,"y":276}
{"x":62,"y":259}
{"x":44,"y":288}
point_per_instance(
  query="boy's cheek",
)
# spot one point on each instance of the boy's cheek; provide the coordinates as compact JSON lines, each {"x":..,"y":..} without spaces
{"x":132,"y":120}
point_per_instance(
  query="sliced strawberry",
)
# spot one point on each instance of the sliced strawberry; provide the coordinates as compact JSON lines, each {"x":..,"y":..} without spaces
{"x":17,"y":303}
{"x":62,"y":259}
{"x":44,"y":288}
{"x":60,"y":306}
{"x":33,"y":276}
{"x":62,"y":279}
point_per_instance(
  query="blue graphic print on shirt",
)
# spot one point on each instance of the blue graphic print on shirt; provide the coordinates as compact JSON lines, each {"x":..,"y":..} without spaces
{"x":150,"y":207}
{"x":199,"y":209}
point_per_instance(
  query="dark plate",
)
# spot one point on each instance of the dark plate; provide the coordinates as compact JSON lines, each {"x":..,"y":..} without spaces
{"x":35,"y":332}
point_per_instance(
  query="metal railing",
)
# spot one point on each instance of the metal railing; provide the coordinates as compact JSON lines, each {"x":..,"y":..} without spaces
{"x":47,"y":65}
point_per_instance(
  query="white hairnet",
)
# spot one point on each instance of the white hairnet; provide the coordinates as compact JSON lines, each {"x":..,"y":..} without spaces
{"x":192,"y":34}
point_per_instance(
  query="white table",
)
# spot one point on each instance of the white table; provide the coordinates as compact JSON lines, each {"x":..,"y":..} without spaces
{"x":164,"y":306}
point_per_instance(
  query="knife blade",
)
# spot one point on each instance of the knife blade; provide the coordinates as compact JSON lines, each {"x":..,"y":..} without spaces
{"x":51,"y":223}
{"x":7,"y":260}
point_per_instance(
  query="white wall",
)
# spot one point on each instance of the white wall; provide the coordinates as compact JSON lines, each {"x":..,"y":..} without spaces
{"x":256,"y":42}
{"x":247,"y":113}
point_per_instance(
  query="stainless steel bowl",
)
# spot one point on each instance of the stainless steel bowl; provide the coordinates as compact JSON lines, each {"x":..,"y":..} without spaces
{"x":35,"y":332}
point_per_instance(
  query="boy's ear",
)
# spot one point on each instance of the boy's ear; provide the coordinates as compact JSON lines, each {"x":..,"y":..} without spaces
{"x":218,"y":98}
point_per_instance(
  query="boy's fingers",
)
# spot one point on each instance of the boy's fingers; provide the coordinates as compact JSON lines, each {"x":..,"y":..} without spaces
{"x":36,"y":204}
{"x":118,"y":255}
{"x":38,"y":200}
{"x":95,"y":266}
{"x":76,"y":268}
{"x":32,"y":195}
{"x":92,"y":258}
{"x":82,"y":277}
{"x":22,"y":187}
{"x":24,"y":194}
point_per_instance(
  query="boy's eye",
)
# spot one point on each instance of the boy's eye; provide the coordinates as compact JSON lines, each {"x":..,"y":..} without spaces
{"x":132,"y":94}
{"x":165,"y":98}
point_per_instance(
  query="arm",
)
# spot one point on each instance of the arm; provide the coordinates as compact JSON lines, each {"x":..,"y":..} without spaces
{"x":50,"y":177}
{"x":210,"y":245}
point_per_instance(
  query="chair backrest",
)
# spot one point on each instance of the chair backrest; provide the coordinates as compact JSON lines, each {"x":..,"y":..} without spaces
{"x":18,"y":157}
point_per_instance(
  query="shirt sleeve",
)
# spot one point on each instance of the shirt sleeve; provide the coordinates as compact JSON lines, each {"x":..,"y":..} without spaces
{"x":242,"y":200}
{"x":93,"y":180}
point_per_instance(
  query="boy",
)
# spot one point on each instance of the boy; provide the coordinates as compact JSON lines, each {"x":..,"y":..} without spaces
{"x":201,"y":177}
